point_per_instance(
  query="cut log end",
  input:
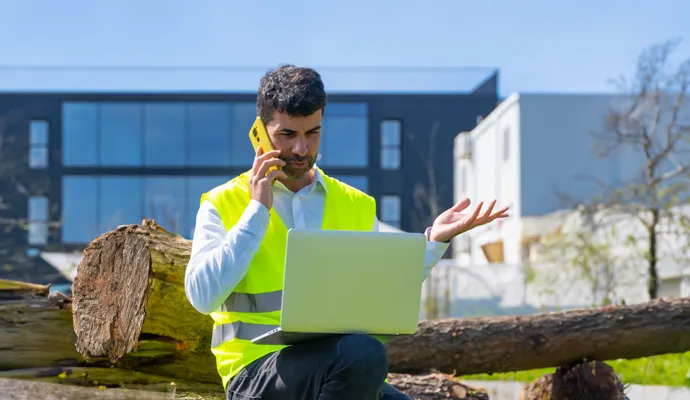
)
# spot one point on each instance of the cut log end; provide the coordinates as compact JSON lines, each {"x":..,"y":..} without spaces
{"x":592,"y":380}
{"x":110,"y":294}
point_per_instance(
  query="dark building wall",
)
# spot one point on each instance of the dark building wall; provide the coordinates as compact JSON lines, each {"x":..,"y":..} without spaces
{"x":418,"y":116}
{"x":29,"y":192}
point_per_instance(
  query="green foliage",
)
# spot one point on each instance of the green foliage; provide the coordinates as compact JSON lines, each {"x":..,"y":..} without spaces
{"x":666,"y":370}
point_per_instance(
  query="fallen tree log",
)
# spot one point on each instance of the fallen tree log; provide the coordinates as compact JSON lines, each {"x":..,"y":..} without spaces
{"x":35,"y":329}
{"x":12,"y":389}
{"x":504,"y":344}
{"x":427,"y":387}
{"x":129,"y":294}
{"x":38,"y":350}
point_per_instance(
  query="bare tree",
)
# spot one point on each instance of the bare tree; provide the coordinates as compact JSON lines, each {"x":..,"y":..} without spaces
{"x":426,"y":200}
{"x":651,"y":126}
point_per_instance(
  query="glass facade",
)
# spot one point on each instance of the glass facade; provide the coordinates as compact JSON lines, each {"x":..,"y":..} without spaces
{"x":358,"y":181}
{"x":345,"y":136}
{"x":92,"y":205}
{"x":157,"y":134}
{"x":174,"y":135}
{"x":202,"y":134}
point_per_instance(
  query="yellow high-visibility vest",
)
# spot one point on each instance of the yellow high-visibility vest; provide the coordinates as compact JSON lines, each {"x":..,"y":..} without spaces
{"x":254,"y":306}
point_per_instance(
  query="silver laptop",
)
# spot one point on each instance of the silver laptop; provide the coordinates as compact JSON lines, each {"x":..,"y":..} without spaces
{"x":341,"y":282}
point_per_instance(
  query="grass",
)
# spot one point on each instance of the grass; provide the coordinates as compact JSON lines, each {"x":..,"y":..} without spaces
{"x":666,"y":370}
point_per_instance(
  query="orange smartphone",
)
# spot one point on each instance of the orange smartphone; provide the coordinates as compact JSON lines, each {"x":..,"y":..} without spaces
{"x":258,"y":135}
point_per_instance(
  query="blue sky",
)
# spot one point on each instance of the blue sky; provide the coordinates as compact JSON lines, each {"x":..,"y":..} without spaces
{"x":538,"y":45}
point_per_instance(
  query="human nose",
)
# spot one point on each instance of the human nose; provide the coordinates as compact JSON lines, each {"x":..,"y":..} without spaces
{"x":300,"y":147}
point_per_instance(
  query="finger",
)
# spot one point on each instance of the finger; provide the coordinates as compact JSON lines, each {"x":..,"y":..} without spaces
{"x":275,"y":174}
{"x":265,"y":165}
{"x":487,"y":213}
{"x":477,"y":210}
{"x":461,"y":205}
{"x":268,"y":155}
{"x":255,"y":165}
{"x":473,"y":217}
{"x":273,"y":154}
{"x":500,"y":212}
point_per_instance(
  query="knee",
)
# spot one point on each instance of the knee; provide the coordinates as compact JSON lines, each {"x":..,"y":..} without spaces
{"x":364,"y":353}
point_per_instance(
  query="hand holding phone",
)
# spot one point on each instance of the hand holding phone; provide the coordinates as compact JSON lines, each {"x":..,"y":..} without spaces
{"x":259,"y":137}
{"x":267,"y":166}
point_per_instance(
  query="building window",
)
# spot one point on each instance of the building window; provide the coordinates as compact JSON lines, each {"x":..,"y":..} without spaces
{"x":196,"y":186}
{"x":119,"y":201}
{"x":243,"y":117}
{"x":356,"y":181}
{"x":390,"y":144}
{"x":80,"y":134}
{"x":506,"y":144}
{"x":164,"y":134}
{"x":38,"y":220}
{"x":120,"y":135}
{"x":93,"y":205}
{"x":38,"y":144}
{"x":80,"y":216}
{"x":209,"y":131}
{"x":164,"y":201}
{"x":390,"y":210}
{"x":344,"y":136}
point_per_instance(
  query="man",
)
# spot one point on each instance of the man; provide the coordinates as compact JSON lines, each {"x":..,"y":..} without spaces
{"x":236,"y":265}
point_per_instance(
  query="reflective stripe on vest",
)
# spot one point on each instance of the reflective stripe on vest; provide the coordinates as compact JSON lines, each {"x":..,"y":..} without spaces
{"x":253,"y":303}
{"x":246,"y":303}
{"x":238,"y":330}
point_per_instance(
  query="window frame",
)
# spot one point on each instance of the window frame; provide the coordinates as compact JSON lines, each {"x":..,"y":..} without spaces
{"x":397,"y":223}
{"x":34,"y":145}
{"x":38,"y":225}
{"x":395,"y":148}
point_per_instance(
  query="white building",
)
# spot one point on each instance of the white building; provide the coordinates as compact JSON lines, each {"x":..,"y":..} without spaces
{"x":527,"y":150}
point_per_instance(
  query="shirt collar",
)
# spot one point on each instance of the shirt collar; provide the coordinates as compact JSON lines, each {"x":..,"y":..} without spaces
{"x":318,"y":178}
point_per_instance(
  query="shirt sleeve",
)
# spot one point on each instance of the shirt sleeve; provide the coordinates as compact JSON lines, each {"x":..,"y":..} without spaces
{"x":219,"y":259}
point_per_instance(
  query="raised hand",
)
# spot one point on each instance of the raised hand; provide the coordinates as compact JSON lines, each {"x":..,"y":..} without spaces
{"x":456,"y":220}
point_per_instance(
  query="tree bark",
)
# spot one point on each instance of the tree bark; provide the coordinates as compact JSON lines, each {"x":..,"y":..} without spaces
{"x":14,"y":389}
{"x":427,"y":387}
{"x":38,"y":351}
{"x":35,"y":330}
{"x":130,"y":306}
{"x":504,"y":344}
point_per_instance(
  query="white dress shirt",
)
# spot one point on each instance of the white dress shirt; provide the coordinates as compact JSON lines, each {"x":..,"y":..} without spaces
{"x":220,"y":259}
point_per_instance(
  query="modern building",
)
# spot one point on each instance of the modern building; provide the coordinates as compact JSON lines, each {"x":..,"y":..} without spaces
{"x":540,"y":155}
{"x":88,"y":152}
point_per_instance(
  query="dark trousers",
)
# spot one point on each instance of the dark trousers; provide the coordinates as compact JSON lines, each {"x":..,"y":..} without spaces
{"x":349,"y":367}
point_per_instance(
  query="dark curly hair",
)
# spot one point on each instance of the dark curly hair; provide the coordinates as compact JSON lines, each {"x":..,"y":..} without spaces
{"x":292,"y":90}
